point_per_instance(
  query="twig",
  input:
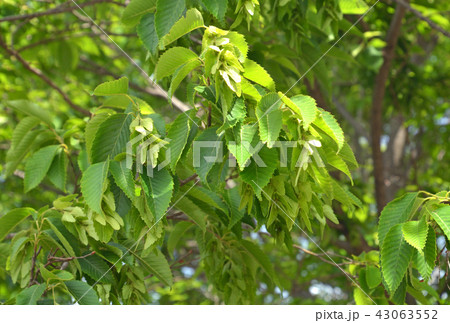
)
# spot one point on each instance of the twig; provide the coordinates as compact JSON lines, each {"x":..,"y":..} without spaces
{"x":59,"y":9}
{"x":21,"y":174}
{"x":422,"y":17}
{"x":309,"y":252}
{"x":67,"y":37}
{"x":187,"y":180}
{"x":33,"y":274}
{"x":153,"y":91}
{"x":51,"y":259}
{"x":44,"y":77}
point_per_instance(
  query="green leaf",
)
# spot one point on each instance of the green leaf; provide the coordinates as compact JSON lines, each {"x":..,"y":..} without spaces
{"x":55,"y":275}
{"x":360,"y":297}
{"x":400,"y":294}
{"x":344,"y":196}
{"x":111,"y":137}
{"x":116,"y":101}
{"x":395,"y":257}
{"x":327,"y":123}
{"x":234,"y":200}
{"x":249,"y":90}
{"x":123,"y":177}
{"x":31,"y":109}
{"x":256,"y":73}
{"x":353,"y":7}
{"x":244,"y":137}
{"x":269,"y":118}
{"x":237,"y":114}
{"x":115,"y":87}
{"x":97,"y":269}
{"x":16,"y":153}
{"x":397,"y":211}
{"x":203,"y":155}
{"x":260,"y":257}
{"x":258,"y":176}
{"x":238,"y":40}
{"x":373,"y":276}
{"x":193,"y":211}
{"x":337,"y":162}
{"x":30,"y":295}
{"x":329,"y":213}
{"x":347,"y":154}
{"x":177,"y":233}
{"x":307,"y":107}
{"x":13,"y":218}
{"x":181,"y":73}
{"x":192,"y":21}
{"x":217,"y":8}
{"x":178,"y":135}
{"x":22,"y":128}
{"x":425,"y":261}
{"x":58,"y":170}
{"x":167,"y":13}
{"x":53,"y":223}
{"x":157,"y":264}
{"x":38,"y":165}
{"x":147,"y":33}
{"x":82,"y":292}
{"x":415,"y":233}
{"x":442,"y":218}
{"x":209,"y":197}
{"x":158,"y":191}
{"x":92,"y":185}
{"x":172,"y":59}
{"x":136,"y":9}
{"x":419,"y":297}
{"x":91,"y":129}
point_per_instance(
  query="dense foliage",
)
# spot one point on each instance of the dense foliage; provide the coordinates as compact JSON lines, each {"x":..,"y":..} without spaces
{"x":245,"y":190}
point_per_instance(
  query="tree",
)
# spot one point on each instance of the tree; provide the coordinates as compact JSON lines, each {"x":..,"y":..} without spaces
{"x":247,"y":189}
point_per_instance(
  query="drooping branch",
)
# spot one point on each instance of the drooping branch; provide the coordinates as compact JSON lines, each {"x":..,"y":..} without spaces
{"x":416,"y":12}
{"x":44,"y":77}
{"x":150,"y":90}
{"x":377,"y":105}
{"x":106,"y":39}
{"x":65,"y":7}
{"x":66,"y":37}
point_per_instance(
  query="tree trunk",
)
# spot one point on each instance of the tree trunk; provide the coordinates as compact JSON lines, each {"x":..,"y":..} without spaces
{"x":377,"y":105}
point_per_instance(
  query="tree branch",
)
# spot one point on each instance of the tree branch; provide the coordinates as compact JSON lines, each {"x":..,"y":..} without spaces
{"x":422,"y":17}
{"x":153,"y":91}
{"x":377,"y":105}
{"x":65,"y":7}
{"x":21,"y":174}
{"x":156,"y":90}
{"x":44,"y":77}
{"x":67,"y":37}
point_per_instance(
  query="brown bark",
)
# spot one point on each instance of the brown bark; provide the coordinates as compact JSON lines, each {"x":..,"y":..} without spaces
{"x":396,"y":171}
{"x":377,"y":105}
